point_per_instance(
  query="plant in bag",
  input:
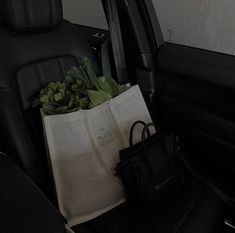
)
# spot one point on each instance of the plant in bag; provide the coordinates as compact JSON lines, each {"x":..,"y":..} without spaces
{"x":83,"y":146}
{"x":81,"y":88}
{"x":59,"y":97}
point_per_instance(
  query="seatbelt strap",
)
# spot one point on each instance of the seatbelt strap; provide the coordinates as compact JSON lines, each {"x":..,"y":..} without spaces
{"x":111,"y":11}
{"x":155,"y":23}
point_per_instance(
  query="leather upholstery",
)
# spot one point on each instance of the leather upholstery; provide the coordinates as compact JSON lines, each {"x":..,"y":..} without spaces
{"x":23,"y":54}
{"x":31,"y":15}
{"x":23,"y":207}
{"x":40,"y":73}
{"x":191,"y":211}
{"x":27,"y":62}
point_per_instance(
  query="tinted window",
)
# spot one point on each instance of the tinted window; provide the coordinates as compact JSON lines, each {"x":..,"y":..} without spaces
{"x":85,"y":12}
{"x":206,"y":24}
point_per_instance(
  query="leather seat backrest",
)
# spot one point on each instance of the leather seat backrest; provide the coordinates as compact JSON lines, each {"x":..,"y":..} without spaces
{"x":37,"y":46}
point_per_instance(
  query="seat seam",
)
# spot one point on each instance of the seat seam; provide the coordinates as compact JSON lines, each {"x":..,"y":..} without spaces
{"x":39,"y":73}
{"x":12,"y":12}
{"x":52,"y":12}
{"x":27,"y":13}
{"x":26,"y":135}
{"x":187,"y":213}
{"x":61,"y":66}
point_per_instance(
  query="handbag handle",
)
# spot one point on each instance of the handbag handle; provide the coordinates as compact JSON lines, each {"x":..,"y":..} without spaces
{"x":143,"y":138}
{"x":132,"y":131}
{"x":147,"y":131}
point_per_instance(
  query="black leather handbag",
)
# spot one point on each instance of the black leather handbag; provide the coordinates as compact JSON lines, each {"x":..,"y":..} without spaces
{"x":149,"y":170}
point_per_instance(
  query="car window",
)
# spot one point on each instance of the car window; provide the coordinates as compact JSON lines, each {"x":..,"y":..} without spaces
{"x":206,"y":24}
{"x":85,"y":12}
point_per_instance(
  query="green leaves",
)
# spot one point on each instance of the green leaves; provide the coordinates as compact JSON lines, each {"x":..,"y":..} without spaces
{"x":59,"y":98}
{"x":105,"y":61}
{"x":106,"y":85}
{"x":98,"y":97}
{"x":89,"y":69}
{"x":81,"y":88}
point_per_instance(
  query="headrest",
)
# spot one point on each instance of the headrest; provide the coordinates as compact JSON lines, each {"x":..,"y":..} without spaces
{"x":30,"y":15}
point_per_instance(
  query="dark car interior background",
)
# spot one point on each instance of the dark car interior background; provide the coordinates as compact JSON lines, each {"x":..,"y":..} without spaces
{"x":188,"y":90}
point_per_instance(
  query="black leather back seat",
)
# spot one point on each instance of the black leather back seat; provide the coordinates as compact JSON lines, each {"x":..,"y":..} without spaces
{"x":38,"y":46}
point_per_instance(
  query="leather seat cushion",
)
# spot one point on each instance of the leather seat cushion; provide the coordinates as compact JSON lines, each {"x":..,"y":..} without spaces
{"x":23,"y":207}
{"x":192,"y":211}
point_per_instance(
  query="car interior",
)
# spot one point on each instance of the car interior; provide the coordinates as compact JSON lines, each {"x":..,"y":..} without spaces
{"x":188,"y":91}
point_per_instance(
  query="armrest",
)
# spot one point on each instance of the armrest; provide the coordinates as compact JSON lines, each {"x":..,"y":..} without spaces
{"x":23,"y":206}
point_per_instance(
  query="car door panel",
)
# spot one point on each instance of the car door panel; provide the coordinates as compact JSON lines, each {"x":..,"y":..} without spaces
{"x":198,"y":103}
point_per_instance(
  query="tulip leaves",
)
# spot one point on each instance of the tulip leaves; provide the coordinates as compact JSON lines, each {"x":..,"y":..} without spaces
{"x":81,"y":88}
